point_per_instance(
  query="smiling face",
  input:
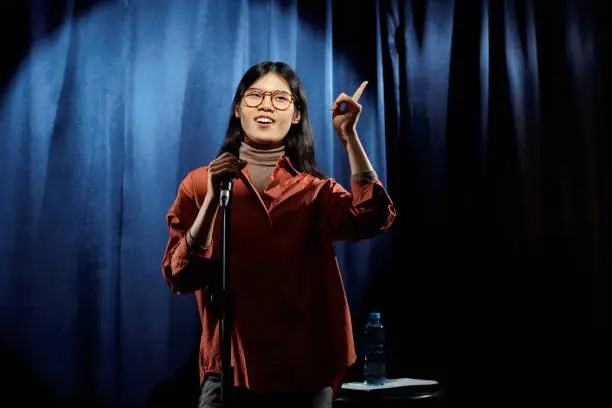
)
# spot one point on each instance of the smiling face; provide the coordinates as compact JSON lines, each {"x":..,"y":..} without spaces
{"x":266,"y":125}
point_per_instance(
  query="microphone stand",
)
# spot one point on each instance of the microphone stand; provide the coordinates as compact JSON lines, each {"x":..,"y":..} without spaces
{"x":227,"y":304}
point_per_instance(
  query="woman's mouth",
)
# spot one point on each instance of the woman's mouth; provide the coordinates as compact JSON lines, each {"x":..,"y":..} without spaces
{"x":264,"y":121}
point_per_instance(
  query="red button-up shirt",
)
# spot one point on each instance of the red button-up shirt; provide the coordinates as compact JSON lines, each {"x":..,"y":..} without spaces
{"x":292,"y":324}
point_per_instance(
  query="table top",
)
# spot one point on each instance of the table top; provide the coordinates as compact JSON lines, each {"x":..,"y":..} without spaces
{"x":398,"y":389}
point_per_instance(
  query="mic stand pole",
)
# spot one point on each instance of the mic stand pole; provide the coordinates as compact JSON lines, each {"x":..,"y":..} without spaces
{"x":227,"y":304}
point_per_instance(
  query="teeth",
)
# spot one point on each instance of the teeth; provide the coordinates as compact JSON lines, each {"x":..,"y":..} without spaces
{"x":264,"y":120}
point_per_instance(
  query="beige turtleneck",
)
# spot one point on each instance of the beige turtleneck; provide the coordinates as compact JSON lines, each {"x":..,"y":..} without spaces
{"x":260,"y":163}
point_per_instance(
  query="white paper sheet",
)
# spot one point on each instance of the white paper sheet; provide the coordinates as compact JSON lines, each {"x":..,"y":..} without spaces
{"x":391,"y":383}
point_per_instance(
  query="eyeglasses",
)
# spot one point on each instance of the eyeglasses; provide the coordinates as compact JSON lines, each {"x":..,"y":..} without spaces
{"x":254,"y":97}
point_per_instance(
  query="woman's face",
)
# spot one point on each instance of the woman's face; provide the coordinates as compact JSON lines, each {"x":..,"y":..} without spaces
{"x":266,"y":125}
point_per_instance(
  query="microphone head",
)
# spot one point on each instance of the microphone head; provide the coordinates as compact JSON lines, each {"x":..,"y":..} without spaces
{"x":226,"y":183}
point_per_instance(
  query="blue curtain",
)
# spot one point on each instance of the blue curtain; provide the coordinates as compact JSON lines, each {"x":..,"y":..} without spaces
{"x":102,"y":119}
{"x":484,"y":121}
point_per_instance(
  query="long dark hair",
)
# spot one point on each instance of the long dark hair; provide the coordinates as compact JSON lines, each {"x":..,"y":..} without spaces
{"x":299,"y":144}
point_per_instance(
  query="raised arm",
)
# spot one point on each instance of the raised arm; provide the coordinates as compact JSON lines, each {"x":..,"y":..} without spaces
{"x":367,"y":209}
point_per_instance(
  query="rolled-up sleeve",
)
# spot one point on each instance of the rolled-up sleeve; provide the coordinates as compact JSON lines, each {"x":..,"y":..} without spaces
{"x":362,"y":213}
{"x":185,"y":269}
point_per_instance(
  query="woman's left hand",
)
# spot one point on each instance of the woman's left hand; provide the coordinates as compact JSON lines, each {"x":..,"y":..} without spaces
{"x":345,"y":114}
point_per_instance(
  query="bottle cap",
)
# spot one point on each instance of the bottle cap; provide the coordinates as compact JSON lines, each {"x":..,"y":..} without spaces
{"x":375,"y":316}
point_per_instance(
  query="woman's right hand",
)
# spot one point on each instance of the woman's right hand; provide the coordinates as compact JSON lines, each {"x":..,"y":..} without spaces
{"x":226,"y":164}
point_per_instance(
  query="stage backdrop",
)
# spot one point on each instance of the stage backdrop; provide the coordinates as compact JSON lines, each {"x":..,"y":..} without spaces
{"x":484,"y":121}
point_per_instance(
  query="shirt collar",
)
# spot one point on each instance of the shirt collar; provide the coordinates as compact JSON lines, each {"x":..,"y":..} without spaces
{"x":285,"y":162}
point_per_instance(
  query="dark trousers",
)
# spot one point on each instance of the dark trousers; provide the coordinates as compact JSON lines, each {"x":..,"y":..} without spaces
{"x":210,"y":397}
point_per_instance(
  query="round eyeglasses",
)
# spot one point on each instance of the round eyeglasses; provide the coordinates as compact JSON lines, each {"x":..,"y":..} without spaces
{"x":281,"y":100}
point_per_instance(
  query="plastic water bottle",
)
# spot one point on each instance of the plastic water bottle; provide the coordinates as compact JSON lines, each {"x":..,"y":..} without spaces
{"x":374,"y":370}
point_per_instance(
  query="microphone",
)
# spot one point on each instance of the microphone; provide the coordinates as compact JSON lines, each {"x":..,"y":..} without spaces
{"x":226,"y":184}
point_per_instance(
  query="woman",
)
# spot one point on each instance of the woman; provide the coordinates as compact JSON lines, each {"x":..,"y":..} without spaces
{"x":292,"y":339}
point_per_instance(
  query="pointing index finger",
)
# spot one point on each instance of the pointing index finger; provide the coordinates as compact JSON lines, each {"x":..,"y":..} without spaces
{"x":359,"y":91}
